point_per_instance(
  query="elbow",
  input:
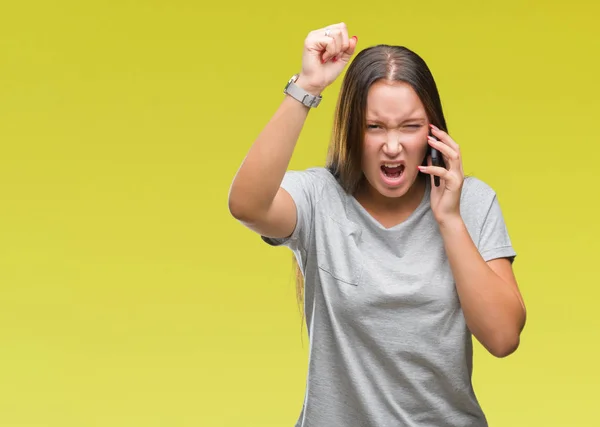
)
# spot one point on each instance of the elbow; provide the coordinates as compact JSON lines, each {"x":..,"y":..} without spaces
{"x":242,"y":209}
{"x":235,"y":208}
{"x":505,"y":340}
{"x":504,"y":345}
{"x":236,"y":203}
{"x":238,"y":209}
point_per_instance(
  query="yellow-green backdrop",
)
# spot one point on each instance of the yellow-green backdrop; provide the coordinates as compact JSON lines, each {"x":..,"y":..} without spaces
{"x":130,"y":297}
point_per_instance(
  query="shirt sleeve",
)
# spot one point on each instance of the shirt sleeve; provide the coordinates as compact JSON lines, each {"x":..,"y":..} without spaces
{"x":494,"y":241}
{"x":304,"y":188}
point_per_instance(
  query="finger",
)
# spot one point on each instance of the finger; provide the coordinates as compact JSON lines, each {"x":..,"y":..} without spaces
{"x":346,"y":45}
{"x":444,"y":137}
{"x":329,"y":29}
{"x":337,"y":26}
{"x":345,"y":39}
{"x":352,"y":42}
{"x":435,"y":171}
{"x":336,"y":34}
{"x":327,"y":46}
{"x":447,"y":151}
{"x":435,"y":180}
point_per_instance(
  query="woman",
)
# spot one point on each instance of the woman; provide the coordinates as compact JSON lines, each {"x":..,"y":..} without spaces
{"x":398,"y":271}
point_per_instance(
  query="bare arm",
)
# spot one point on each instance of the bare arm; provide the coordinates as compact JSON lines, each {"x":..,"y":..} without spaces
{"x":256,"y":198}
{"x":488,"y":292}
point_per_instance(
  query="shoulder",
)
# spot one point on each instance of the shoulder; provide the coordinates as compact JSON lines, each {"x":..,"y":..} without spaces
{"x":478,"y":199}
{"x":476,"y":193}
{"x":312,"y":175}
{"x":314,"y":180}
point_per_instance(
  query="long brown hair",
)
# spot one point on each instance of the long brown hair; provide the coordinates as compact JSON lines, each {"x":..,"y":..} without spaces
{"x":393,"y":63}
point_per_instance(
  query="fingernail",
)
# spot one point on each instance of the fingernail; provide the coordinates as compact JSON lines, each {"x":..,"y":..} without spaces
{"x":433,"y":127}
{"x":355,"y":38}
{"x":334,"y":59}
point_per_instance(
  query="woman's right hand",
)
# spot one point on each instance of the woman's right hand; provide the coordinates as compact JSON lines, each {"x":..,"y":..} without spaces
{"x":327,"y":51}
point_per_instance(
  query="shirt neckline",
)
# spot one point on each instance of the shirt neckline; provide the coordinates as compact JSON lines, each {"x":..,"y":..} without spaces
{"x":423,"y":204}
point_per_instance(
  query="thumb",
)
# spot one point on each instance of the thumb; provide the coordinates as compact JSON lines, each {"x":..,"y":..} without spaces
{"x":351,"y":46}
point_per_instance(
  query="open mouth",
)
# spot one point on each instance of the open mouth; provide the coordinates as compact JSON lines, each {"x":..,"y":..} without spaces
{"x":392,"y":171}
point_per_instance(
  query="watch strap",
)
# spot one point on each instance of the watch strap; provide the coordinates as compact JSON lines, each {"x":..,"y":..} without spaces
{"x":299,"y":94}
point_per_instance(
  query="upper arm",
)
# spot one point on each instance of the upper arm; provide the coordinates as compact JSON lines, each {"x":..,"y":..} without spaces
{"x":495,"y":244}
{"x":289,"y":219}
{"x":279,"y":221}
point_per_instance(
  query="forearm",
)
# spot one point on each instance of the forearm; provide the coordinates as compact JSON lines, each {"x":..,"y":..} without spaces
{"x":492,"y":309}
{"x":261,"y":173}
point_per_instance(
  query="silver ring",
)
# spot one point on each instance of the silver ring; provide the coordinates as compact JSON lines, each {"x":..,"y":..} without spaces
{"x":327,"y":32}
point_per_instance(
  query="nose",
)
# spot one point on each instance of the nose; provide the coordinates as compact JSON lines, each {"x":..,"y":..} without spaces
{"x":392,"y":146}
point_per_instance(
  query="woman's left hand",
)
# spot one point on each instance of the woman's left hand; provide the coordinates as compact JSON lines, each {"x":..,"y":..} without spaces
{"x":445,"y":199}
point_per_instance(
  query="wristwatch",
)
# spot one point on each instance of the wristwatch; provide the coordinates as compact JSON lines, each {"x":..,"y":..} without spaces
{"x":300,"y":94}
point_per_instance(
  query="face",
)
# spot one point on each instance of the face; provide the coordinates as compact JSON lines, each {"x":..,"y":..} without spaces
{"x":395,"y":140}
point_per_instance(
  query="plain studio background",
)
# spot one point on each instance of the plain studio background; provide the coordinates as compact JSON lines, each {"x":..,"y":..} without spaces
{"x":130,"y":297}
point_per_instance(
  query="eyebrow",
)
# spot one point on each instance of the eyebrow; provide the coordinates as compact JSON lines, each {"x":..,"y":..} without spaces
{"x":376,"y":118}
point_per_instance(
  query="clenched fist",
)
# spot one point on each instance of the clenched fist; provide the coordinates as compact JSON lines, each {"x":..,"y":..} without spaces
{"x":326,"y":52}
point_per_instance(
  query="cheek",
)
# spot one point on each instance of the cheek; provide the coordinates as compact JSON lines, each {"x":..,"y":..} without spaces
{"x":417,"y":147}
{"x":369,"y":152}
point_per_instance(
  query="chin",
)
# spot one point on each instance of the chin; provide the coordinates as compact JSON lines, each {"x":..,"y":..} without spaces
{"x":393,"y":186}
{"x":392,"y":193}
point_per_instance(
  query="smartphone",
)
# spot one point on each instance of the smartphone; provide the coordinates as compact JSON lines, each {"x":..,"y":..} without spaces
{"x":436,"y":160}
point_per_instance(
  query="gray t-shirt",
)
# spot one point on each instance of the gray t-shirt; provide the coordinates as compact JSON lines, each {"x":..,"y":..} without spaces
{"x":389,"y":345}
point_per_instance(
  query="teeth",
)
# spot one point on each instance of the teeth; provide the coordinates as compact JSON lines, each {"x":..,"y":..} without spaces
{"x":391,"y":165}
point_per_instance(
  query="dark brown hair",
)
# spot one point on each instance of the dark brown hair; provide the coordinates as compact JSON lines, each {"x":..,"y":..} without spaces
{"x":381,"y":62}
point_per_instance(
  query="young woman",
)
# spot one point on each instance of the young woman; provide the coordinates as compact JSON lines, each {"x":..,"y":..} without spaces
{"x":397,"y":272}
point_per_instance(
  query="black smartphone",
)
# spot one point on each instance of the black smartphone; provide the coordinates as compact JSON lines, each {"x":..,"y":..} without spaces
{"x":436,"y":159}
